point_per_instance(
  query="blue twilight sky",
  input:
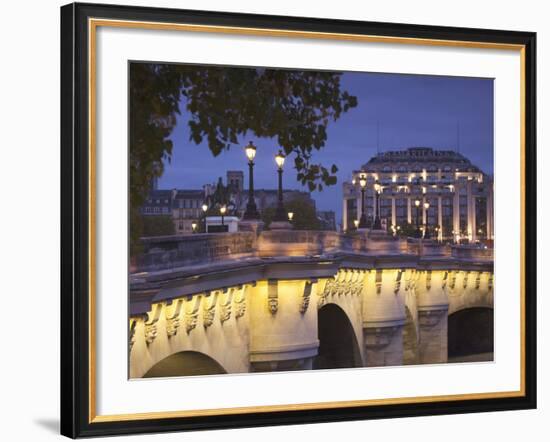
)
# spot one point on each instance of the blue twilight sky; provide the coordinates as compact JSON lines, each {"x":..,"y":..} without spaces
{"x":408,"y":110}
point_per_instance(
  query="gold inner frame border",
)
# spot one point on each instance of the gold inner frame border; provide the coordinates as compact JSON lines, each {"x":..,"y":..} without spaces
{"x":93,"y":24}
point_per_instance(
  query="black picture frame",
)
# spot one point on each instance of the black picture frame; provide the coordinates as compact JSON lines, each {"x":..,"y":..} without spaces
{"x":76,"y":403}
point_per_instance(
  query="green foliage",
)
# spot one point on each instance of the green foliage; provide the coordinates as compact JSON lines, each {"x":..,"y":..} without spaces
{"x":157,"y":225}
{"x":407,"y":230}
{"x":305,"y":216}
{"x":293,"y":106}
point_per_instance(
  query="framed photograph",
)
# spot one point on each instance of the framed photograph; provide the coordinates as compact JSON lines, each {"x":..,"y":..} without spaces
{"x":279,"y":220}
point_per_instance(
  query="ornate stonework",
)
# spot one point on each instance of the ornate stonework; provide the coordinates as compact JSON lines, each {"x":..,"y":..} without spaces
{"x":428,"y":279}
{"x":452,"y":285}
{"x":398,"y":278}
{"x":192,"y":312}
{"x":272,"y":296}
{"x":345,"y":282}
{"x":132,"y":334}
{"x":209,"y":309}
{"x":173,"y":321}
{"x":465,"y":280}
{"x":478,"y":280}
{"x":225,"y":306}
{"x":378,"y":281}
{"x":240,"y":302}
{"x":151,"y":331}
{"x":304,"y":304}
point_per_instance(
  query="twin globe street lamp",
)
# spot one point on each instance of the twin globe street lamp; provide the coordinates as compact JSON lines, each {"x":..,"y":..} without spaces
{"x":251,"y":211}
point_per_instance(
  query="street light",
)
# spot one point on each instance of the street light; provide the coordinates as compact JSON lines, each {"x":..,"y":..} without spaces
{"x":290,"y":217}
{"x":204,"y":208}
{"x":417,"y":232}
{"x":251,"y":211}
{"x":194,"y":227}
{"x":356,"y":223}
{"x":377,"y":189}
{"x":363,"y":218}
{"x":280,"y":213}
{"x":223,"y":209}
{"x":426,"y":231}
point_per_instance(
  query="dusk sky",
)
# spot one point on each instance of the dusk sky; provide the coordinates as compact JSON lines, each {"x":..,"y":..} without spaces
{"x":409,"y":110}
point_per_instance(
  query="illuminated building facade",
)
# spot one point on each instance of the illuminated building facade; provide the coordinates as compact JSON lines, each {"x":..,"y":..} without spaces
{"x":421,"y":186}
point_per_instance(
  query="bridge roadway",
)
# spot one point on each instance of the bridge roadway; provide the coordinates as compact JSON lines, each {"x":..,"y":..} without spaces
{"x":287,"y":300}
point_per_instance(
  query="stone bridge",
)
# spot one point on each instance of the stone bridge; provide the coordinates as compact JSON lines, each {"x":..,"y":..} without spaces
{"x":288,"y":300}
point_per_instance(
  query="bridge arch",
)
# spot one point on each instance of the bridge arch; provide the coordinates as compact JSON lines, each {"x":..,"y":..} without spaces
{"x":470,"y":334}
{"x":185,"y":363}
{"x":338,"y":344}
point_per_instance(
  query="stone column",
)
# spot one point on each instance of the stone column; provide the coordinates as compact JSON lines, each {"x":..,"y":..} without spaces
{"x":470,"y":211}
{"x":409,"y":210}
{"x":424,"y":214}
{"x":440,"y":218}
{"x":433,"y":306}
{"x":456,"y":209}
{"x":383,"y":319}
{"x":490,"y":226}
{"x":393,"y":214}
{"x":345,"y":215}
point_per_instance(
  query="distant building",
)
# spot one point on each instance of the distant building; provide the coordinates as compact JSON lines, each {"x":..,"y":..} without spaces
{"x":327,"y":219}
{"x":235,"y":180}
{"x":264,"y":197}
{"x":185,"y":205}
{"x":186,"y":209}
{"x":459,"y":194}
{"x":158,"y":202}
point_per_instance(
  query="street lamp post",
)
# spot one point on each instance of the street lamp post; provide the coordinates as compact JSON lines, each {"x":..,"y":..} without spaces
{"x":204,"y":208}
{"x":251,"y":210}
{"x":290,"y":217}
{"x":363,"y":218}
{"x":194,"y":227}
{"x":426,"y":231}
{"x":417,"y":232}
{"x":223,"y":209}
{"x":377,"y":224}
{"x":280,"y":213}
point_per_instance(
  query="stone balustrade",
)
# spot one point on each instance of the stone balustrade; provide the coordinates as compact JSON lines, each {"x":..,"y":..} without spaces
{"x":165,"y":252}
{"x":472,"y":253}
{"x":176,"y":251}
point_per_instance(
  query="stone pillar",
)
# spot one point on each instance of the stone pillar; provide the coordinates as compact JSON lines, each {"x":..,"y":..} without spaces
{"x":470,"y":211}
{"x":383,"y":319}
{"x":440,"y":216}
{"x":345,"y":215}
{"x":409,"y":210}
{"x":433,"y":306}
{"x":456,"y":209}
{"x":424,"y":214}
{"x":393,"y":214}
{"x":490,"y":233}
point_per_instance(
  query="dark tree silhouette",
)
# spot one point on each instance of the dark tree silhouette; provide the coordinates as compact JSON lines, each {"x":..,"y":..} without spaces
{"x":225,"y":103}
